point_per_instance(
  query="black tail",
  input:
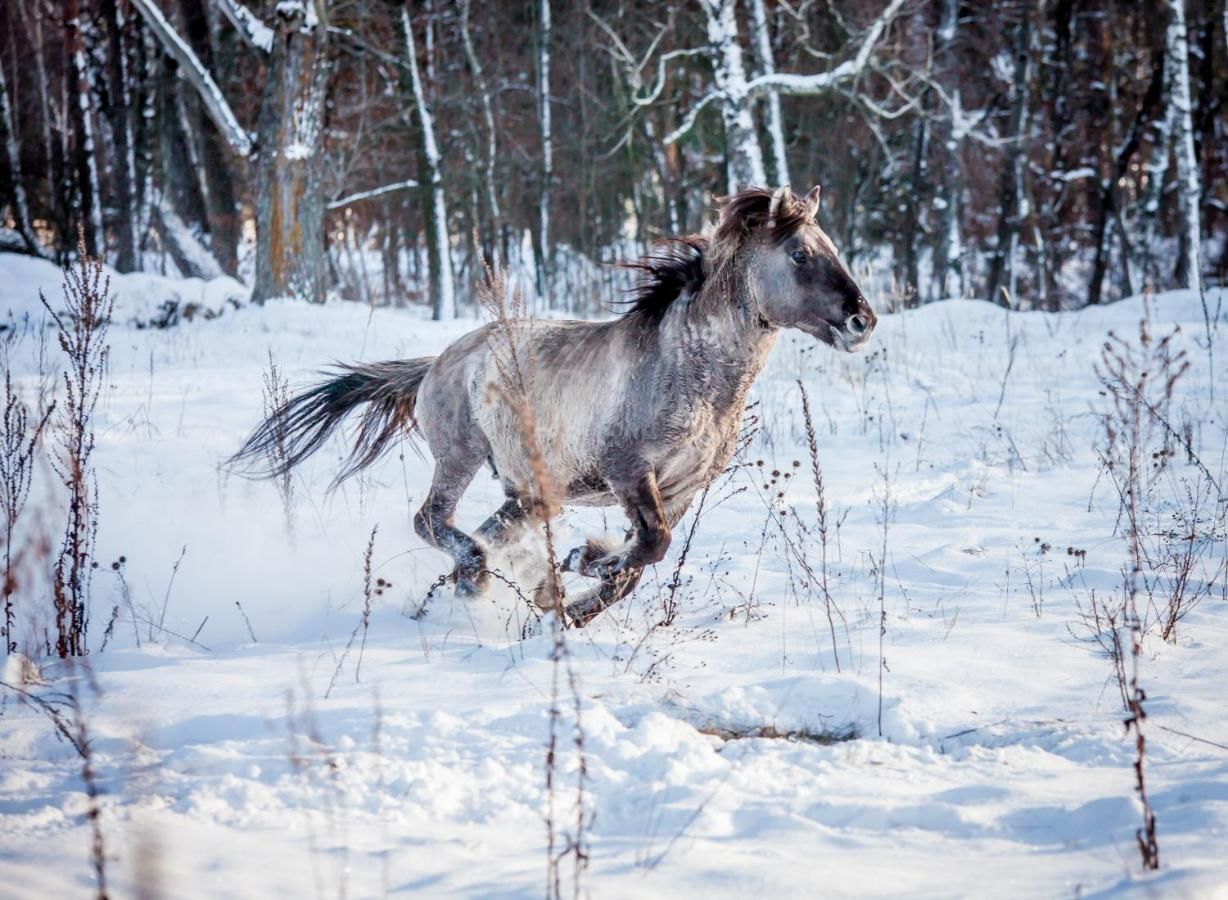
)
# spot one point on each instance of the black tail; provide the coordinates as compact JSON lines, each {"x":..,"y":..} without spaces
{"x":300,"y":427}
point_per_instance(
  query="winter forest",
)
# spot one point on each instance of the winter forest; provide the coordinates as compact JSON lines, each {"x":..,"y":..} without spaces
{"x":610,"y":448}
{"x":1045,"y":155}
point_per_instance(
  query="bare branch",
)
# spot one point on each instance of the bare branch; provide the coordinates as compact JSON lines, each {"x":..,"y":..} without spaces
{"x":689,"y":122}
{"x":215,"y":104}
{"x":249,"y":25}
{"x":635,"y":69}
{"x":784,"y":83}
{"x":374,"y":192}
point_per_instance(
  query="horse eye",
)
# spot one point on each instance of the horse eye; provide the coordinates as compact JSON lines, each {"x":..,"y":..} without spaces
{"x":799,"y":257}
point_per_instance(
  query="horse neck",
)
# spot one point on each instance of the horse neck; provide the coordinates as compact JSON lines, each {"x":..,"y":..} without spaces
{"x":720,"y":332}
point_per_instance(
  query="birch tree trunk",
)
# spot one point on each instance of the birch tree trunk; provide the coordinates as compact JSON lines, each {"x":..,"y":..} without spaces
{"x":743,"y":155}
{"x":81,"y":106}
{"x":1189,"y":189}
{"x":435,"y":210}
{"x":1002,"y":268}
{"x":290,"y":201}
{"x":766,"y":64}
{"x":545,"y":247}
{"x":948,"y":245}
{"x":492,"y":135}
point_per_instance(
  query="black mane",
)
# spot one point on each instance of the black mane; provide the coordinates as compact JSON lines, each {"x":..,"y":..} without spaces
{"x":678,"y":264}
{"x":676,"y":267}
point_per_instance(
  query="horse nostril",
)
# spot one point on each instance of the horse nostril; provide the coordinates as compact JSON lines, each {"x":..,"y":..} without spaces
{"x":858,"y":324}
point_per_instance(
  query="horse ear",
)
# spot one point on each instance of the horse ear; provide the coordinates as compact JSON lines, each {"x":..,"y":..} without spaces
{"x":811,"y":202}
{"x":782,"y":198}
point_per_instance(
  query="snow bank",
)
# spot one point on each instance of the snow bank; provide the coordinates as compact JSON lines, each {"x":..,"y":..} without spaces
{"x":717,"y":752}
{"x":141,"y":298}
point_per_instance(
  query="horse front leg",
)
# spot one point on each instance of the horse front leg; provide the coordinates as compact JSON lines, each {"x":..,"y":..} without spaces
{"x":620,"y":570}
{"x":594,"y":602}
{"x":647,"y":541}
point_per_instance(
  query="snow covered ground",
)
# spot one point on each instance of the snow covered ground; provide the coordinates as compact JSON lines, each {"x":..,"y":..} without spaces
{"x":1002,"y":768}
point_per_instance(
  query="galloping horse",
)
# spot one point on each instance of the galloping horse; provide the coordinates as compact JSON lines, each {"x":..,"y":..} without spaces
{"x":642,"y":411}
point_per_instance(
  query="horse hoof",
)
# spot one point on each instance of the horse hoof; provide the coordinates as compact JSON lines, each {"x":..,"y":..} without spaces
{"x":574,"y":560}
{"x":469,"y":586}
{"x":607,"y":567}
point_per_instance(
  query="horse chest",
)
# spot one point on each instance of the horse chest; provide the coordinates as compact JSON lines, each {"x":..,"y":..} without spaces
{"x":699,"y":443}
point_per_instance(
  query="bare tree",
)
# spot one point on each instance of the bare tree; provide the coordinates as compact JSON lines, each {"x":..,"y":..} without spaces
{"x":290,"y":132}
{"x":438,"y":246}
{"x":545,"y":246}
{"x":1189,"y":191}
{"x":492,"y":133}
{"x":744,"y":156}
{"x":82,"y":108}
{"x":12,"y":189}
{"x":948,"y":237}
{"x":1011,"y":204}
{"x":765,"y":63}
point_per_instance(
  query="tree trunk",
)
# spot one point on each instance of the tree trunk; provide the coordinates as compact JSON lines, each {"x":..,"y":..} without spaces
{"x":434,"y":207}
{"x":1002,"y":268}
{"x":81,"y":108}
{"x":127,"y":254}
{"x":290,"y":138}
{"x":917,"y":183}
{"x":1109,"y":207}
{"x":948,"y":244}
{"x":545,"y":246}
{"x":743,"y":155}
{"x":1152,"y":195}
{"x":1056,"y":83}
{"x":12,"y":190}
{"x":488,"y":174}
{"x":766,"y":64}
{"x":1189,"y":191}
{"x":220,"y":179}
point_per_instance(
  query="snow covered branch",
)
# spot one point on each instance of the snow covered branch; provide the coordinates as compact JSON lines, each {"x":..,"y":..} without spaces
{"x":374,"y":192}
{"x":785,"y":83}
{"x":210,"y":94}
{"x":689,"y":122}
{"x":732,"y":87}
{"x":250,"y":27}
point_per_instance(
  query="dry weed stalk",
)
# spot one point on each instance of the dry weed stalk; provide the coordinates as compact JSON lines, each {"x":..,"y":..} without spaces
{"x":369,"y":592}
{"x":516,"y":368}
{"x":82,"y":335}
{"x":1131,"y":377}
{"x":1102,"y":620}
{"x":65,"y":710}
{"x":19,"y":439}
{"x":882,"y":588}
{"x":670,"y":603}
{"x":821,"y":511}
{"x":275,"y":392}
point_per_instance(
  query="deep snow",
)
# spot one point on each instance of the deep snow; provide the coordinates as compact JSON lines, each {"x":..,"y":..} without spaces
{"x":1003,"y":768}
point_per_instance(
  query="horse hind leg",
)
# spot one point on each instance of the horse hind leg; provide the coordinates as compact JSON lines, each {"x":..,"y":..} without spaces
{"x":433,"y":523}
{"x":507,"y":523}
